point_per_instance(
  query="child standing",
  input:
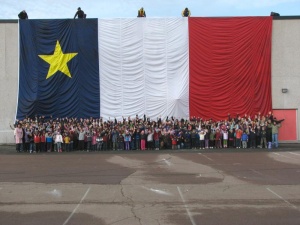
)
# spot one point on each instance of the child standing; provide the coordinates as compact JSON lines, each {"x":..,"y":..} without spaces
{"x":263,"y":142}
{"x":218,"y":138}
{"x":127,"y":140}
{"x":49,"y":141}
{"x":58,"y":141}
{"x":43,"y":142}
{"x":201,"y":137}
{"x":150,"y":140}
{"x":120,"y":142}
{"x":238,"y":136}
{"x":37,"y":141}
{"x":143,"y":140}
{"x":174,"y":142}
{"x":231,"y":138}
{"x":225,"y":138}
{"x":206,"y":138}
{"x":212,"y":139}
{"x":244,"y":139}
{"x":67,"y":142}
{"x":94,"y":141}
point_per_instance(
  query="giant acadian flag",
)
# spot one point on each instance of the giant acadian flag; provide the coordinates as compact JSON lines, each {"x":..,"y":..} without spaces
{"x":59,"y":68}
{"x":180,"y":67}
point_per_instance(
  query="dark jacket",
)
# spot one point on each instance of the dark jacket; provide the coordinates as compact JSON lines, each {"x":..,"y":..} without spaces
{"x":80,"y":14}
{"x":23,"y":15}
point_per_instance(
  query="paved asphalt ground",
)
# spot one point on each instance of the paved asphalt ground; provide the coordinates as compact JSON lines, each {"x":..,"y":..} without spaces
{"x":179,"y":187}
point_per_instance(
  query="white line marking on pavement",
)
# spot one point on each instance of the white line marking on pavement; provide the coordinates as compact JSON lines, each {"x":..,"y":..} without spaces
{"x":84,"y":196}
{"x":255,"y":171}
{"x":274,"y":193}
{"x":205,"y":156}
{"x":55,"y":193}
{"x":185,"y":206}
{"x":162,"y":192}
{"x":167,"y":162}
{"x":293,"y":153}
{"x":283,"y":155}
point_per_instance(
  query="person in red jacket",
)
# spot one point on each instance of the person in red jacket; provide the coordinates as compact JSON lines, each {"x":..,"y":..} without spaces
{"x":174,"y":142}
{"x":36,"y":141}
{"x":105,"y":140}
{"x":156,"y":137}
{"x":218,"y":138}
{"x":43,"y":142}
{"x":143,"y":140}
{"x":238,"y":136}
{"x":94,"y":141}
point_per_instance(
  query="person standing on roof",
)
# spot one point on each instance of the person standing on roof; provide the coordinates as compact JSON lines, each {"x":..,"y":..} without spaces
{"x":23,"y":15}
{"x":141,"y":12}
{"x":80,"y":14}
{"x":186,"y":13}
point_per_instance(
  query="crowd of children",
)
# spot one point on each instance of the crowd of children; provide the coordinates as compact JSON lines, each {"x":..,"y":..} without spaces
{"x":42,"y":134}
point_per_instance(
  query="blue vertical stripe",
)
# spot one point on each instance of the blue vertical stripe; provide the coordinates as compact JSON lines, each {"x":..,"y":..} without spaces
{"x":59,"y":95}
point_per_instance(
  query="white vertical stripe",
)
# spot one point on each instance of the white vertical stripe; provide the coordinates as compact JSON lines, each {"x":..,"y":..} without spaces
{"x":144,"y":67}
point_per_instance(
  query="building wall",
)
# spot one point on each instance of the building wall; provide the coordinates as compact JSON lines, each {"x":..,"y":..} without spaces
{"x":8,"y":79}
{"x":285,"y":71}
{"x":286,"y":66}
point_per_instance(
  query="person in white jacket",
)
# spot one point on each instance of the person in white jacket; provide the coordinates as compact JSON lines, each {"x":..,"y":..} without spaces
{"x":58,"y":141}
{"x":201,"y":136}
{"x":225,"y":138}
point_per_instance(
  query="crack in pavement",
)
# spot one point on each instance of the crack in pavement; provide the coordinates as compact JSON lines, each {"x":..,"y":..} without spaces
{"x":226,"y":188}
{"x":157,"y":221}
{"x":221,"y":173}
{"x":131,"y":204}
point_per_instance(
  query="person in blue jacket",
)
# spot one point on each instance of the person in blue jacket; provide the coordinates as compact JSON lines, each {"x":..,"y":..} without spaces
{"x":244,"y":139}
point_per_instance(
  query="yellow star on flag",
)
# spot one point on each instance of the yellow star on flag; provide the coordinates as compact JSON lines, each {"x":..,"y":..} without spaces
{"x":58,"y":61}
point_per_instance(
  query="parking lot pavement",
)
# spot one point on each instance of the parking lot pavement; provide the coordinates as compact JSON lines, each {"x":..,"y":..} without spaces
{"x":11,"y":149}
{"x":152,"y":187}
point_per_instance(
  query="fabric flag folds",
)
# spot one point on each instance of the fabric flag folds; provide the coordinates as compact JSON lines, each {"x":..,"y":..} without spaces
{"x":59,"y":68}
{"x":144,"y":67}
{"x":180,"y":67}
{"x":230,"y":66}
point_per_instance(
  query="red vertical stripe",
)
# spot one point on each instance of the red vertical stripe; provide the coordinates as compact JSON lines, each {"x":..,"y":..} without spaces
{"x":230,"y":66}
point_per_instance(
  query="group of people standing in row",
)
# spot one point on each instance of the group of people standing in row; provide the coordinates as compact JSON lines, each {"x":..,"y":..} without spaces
{"x":40,"y":134}
{"x":81,"y":15}
{"x":185,"y":13}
